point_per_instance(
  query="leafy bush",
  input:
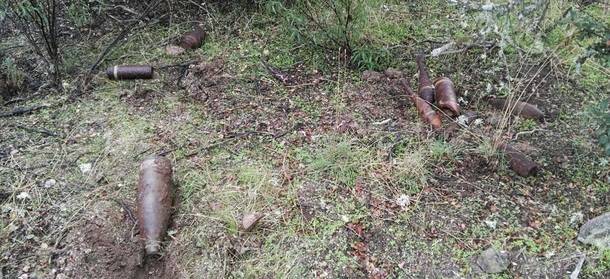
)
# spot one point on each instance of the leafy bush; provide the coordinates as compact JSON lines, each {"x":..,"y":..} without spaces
{"x":335,"y":26}
{"x":371,"y":58}
{"x":14,"y":76}
{"x":600,"y":114}
{"x":78,"y":13}
{"x":37,"y":21}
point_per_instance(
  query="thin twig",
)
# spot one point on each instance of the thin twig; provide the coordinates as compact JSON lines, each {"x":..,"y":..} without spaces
{"x":22,"y":110}
{"x":128,"y":210}
{"x":576,"y":272}
{"x":35,"y":130}
{"x":182,"y":64}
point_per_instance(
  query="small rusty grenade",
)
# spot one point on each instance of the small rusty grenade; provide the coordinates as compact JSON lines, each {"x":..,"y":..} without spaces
{"x":193,"y":39}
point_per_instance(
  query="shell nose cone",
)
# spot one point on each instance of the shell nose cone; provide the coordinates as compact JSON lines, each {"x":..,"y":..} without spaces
{"x":152,"y":247}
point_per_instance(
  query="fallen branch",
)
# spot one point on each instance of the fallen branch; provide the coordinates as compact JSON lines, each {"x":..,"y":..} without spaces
{"x":224,"y":140}
{"x":12,"y":101}
{"x":35,"y":130}
{"x":464,"y":49}
{"x":22,"y":110}
{"x":277,"y":74}
{"x":576,"y":272}
{"x":181,"y":65}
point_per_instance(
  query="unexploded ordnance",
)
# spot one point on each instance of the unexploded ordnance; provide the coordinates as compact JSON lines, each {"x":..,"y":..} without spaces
{"x":426,"y":88}
{"x":154,"y":201}
{"x":523,"y":109}
{"x":519,"y":163}
{"x":250,"y":220}
{"x":130,"y":72}
{"x":425,"y":110}
{"x":193,"y":39}
{"x":445,"y":95}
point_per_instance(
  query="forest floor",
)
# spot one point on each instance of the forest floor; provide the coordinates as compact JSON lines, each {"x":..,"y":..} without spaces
{"x":350,"y":182}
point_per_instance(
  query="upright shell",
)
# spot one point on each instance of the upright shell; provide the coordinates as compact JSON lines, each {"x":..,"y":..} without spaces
{"x":154,"y":201}
{"x":425,"y":110}
{"x":426,"y":88}
{"x":445,"y":95}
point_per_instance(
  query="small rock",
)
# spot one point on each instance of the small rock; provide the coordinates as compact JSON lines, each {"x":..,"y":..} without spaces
{"x":493,"y":261}
{"x":576,"y":218}
{"x":491,"y":224}
{"x":403,"y":201}
{"x":23,"y":196}
{"x":85,"y":168}
{"x":173,"y":50}
{"x":462,"y":120}
{"x":393,"y":73}
{"x":250,"y":220}
{"x":50,"y":183}
{"x":596,"y":231}
{"x":438,"y":51}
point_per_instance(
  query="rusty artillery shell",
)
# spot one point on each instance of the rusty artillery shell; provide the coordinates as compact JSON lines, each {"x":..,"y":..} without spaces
{"x":445,"y":95}
{"x":130,"y":72}
{"x":426,"y":88}
{"x":518,"y":108}
{"x":193,"y":39}
{"x":425,"y":110}
{"x":519,"y":163}
{"x":154,"y":201}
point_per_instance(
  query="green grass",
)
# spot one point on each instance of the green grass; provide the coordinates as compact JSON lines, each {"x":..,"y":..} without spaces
{"x":355,"y":177}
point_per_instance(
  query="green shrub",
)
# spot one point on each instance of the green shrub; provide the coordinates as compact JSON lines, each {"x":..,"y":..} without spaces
{"x":335,"y":26}
{"x":371,"y":58}
{"x":600,"y":115}
{"x":14,"y":76}
{"x":78,"y":13}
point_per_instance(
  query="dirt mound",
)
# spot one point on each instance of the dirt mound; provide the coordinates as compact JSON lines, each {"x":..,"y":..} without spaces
{"x":206,"y":79}
{"x":105,"y":245}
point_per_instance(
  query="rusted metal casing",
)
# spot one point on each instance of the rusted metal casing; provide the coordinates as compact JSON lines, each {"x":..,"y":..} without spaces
{"x":193,"y":39}
{"x":426,"y":88}
{"x":130,"y":72}
{"x":445,"y":95}
{"x":425,"y":110}
{"x":154,"y":201}
{"x":519,"y":162}
{"x":523,"y":109}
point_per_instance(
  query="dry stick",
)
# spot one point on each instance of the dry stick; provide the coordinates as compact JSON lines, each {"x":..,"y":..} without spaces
{"x":183,"y":64}
{"x":22,"y":110}
{"x":128,"y":210}
{"x":40,"y":130}
{"x":276,"y":73}
{"x":576,"y":272}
